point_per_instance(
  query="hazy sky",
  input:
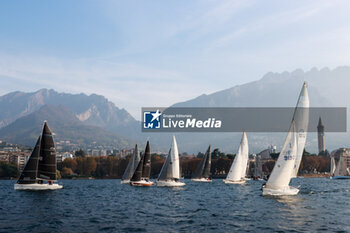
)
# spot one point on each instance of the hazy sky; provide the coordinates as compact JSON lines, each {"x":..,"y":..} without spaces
{"x":157,"y":53}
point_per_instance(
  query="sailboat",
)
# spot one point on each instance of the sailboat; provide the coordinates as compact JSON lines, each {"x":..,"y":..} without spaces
{"x":170,"y":173}
{"x":130,"y":169}
{"x":288,"y":162}
{"x":238,"y":168}
{"x":202,"y":174}
{"x":143,"y":171}
{"x":341,"y":170}
{"x":39,"y":172}
{"x":278,"y":182}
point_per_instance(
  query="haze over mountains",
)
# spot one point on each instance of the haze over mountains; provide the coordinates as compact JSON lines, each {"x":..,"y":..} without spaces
{"x":327,"y":88}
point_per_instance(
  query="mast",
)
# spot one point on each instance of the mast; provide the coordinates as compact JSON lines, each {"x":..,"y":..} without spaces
{"x":133,"y":162}
{"x":29,"y":173}
{"x":206,"y":172}
{"x":146,"y":170}
{"x":283,"y":170}
{"x":47,"y":161}
{"x":301,"y":120}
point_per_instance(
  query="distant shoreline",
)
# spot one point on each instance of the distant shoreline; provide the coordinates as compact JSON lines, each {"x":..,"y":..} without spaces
{"x":314,"y":175}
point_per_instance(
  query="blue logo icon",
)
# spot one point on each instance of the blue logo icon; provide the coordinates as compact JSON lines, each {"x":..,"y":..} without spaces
{"x":151,"y":119}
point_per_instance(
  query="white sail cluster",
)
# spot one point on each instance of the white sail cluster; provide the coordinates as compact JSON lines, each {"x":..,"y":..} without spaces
{"x":340,"y":170}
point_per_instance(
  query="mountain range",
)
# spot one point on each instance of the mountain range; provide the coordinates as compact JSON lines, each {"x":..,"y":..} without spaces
{"x":79,"y":118}
{"x":95,"y":116}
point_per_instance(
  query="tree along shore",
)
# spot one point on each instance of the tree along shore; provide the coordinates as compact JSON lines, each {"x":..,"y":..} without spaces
{"x":83,"y":166}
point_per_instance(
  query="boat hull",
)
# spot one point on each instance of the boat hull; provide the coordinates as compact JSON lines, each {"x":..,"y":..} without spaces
{"x":169,"y":183}
{"x":141,"y":183}
{"x":233,"y":181}
{"x":288,"y":191}
{"x":201,"y":180}
{"x":37,"y":186}
{"x":125,"y":181}
{"x":340,"y":177}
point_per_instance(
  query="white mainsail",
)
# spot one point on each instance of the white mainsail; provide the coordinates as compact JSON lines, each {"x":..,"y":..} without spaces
{"x":301,"y":120}
{"x":284,"y":167}
{"x":341,"y":168}
{"x":332,"y":166}
{"x":175,"y":159}
{"x":171,"y":167}
{"x":239,"y":165}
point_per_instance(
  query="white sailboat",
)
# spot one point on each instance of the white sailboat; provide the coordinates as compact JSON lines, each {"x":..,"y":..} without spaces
{"x":341,"y":170}
{"x":278,"y":182}
{"x":170,"y":173}
{"x":130,"y":169}
{"x":301,"y":120}
{"x":288,"y":162}
{"x":238,"y":168}
{"x":39,"y":172}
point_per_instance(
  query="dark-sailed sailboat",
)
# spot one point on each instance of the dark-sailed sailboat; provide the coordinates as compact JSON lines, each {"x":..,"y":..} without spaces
{"x":39,"y":172}
{"x":143,"y":171}
{"x":130,"y":169}
{"x":202,"y":174}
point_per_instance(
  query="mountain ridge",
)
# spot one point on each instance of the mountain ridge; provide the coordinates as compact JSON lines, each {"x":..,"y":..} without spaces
{"x":64,"y":124}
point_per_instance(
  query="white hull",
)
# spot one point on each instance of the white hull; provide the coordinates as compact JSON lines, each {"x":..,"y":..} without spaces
{"x":125,"y":181}
{"x":141,"y":183}
{"x":37,"y":186}
{"x":201,"y":180}
{"x":340,"y":177}
{"x":233,"y":181}
{"x":288,"y":191}
{"x":169,"y":183}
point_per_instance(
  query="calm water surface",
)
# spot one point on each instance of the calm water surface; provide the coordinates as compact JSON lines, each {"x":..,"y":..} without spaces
{"x":108,"y":206}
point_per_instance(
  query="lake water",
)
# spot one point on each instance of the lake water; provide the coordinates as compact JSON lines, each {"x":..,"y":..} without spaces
{"x":108,"y":206}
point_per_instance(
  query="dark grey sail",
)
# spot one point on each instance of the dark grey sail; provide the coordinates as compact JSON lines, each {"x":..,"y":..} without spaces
{"x":138,"y":172}
{"x":47,"y":162}
{"x":133,"y":162}
{"x":198,"y":174}
{"x":30,"y":171}
{"x":167,"y":170}
{"x":146,"y":170}
{"x":206,"y":172}
{"x":258,"y":166}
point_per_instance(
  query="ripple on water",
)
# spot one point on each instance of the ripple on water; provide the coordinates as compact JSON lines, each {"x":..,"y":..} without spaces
{"x":108,"y":206}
